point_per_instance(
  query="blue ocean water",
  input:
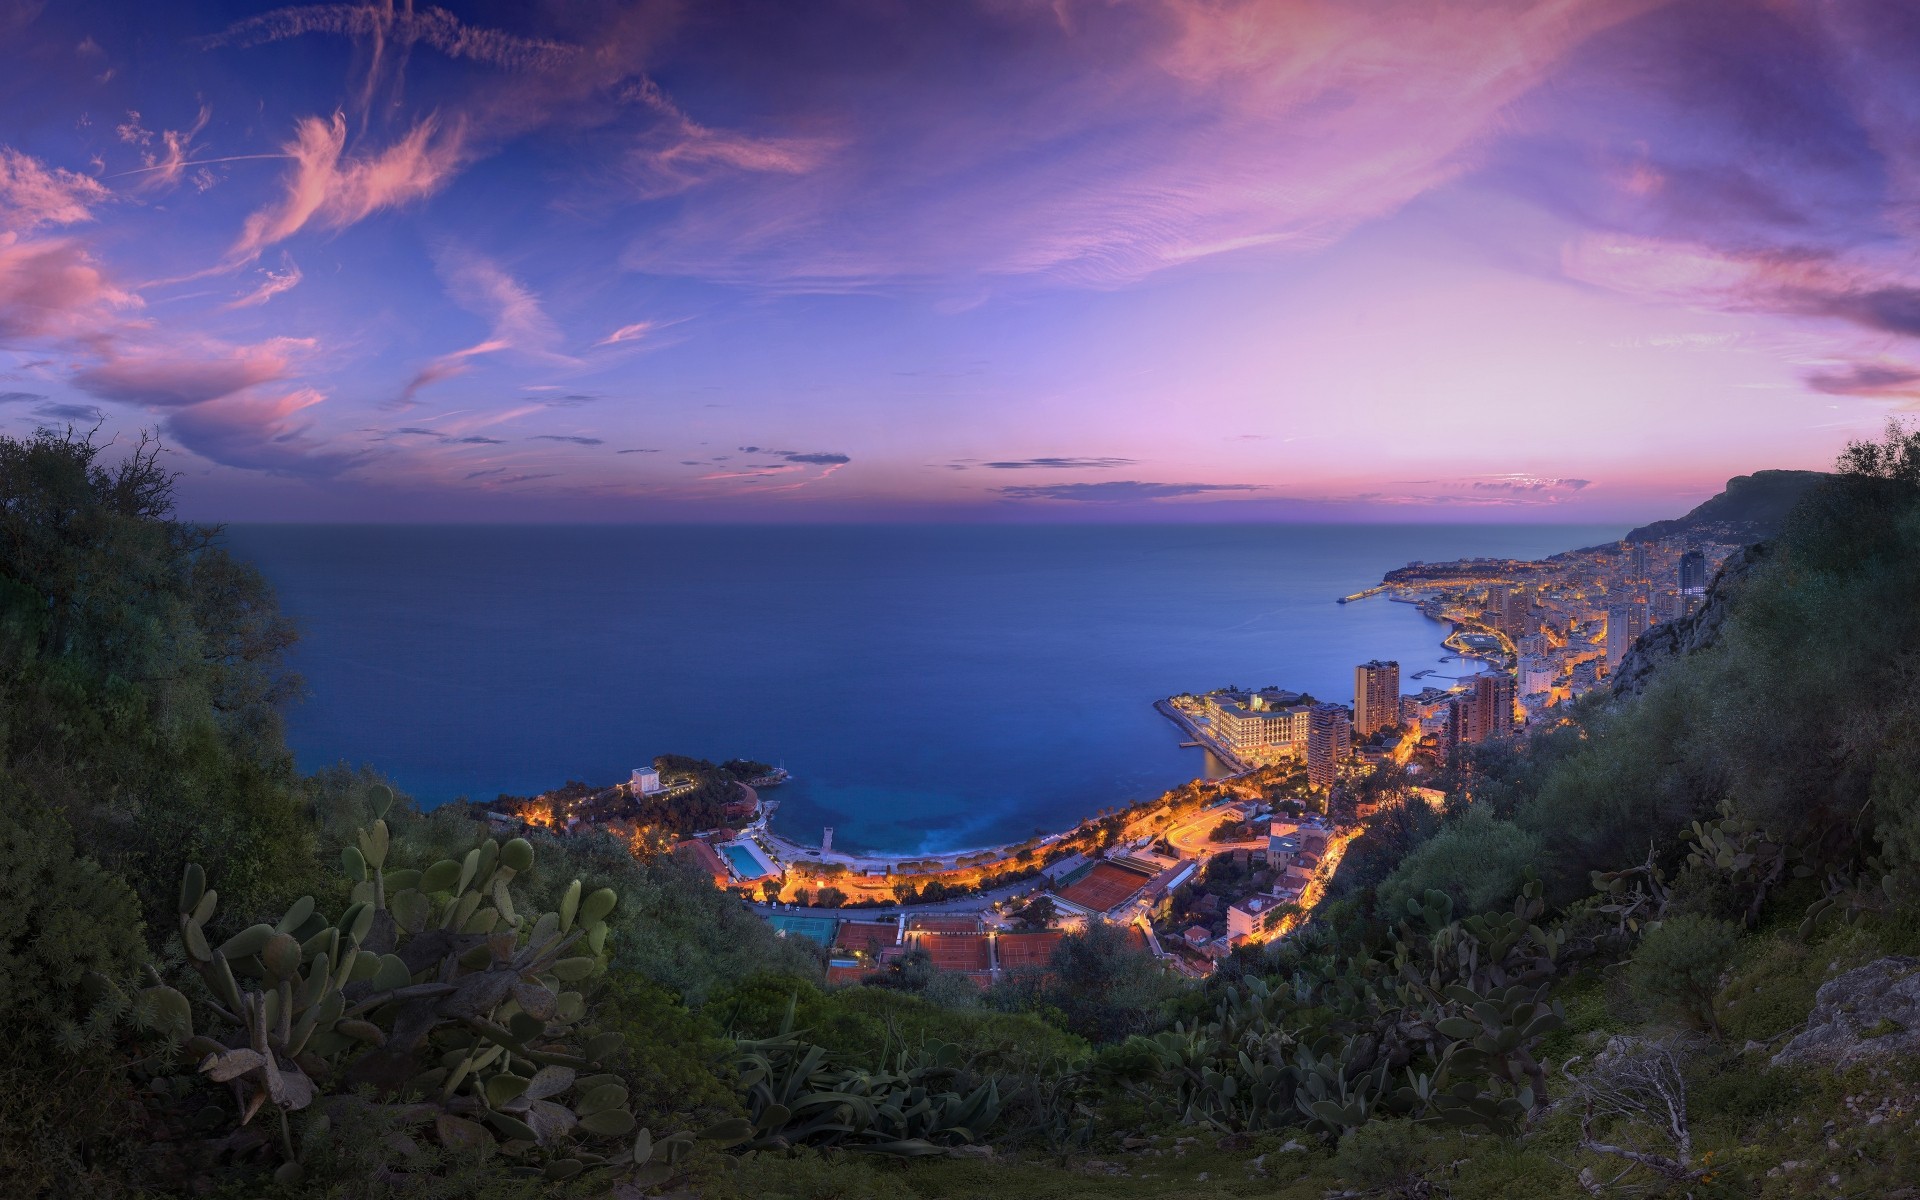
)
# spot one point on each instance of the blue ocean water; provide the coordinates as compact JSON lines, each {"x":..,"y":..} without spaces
{"x":930,"y":687}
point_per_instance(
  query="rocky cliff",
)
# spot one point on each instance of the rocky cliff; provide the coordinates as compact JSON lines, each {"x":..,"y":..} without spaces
{"x":1675,"y":639}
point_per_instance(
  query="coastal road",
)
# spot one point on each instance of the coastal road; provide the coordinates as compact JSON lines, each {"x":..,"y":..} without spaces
{"x":959,"y":905}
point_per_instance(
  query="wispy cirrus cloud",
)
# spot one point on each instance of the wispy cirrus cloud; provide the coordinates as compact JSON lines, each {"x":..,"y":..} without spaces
{"x":628,"y":333}
{"x":1123,"y":491}
{"x":1224,"y":126}
{"x":331,"y":190}
{"x":517,"y":320}
{"x":275,"y":283}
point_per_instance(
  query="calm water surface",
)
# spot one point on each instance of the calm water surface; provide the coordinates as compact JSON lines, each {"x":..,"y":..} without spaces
{"x":929,"y":686}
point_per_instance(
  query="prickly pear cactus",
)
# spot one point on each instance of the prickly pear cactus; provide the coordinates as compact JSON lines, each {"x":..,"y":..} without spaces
{"x":433,"y":994}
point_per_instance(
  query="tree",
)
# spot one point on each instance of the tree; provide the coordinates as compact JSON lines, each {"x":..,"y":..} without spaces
{"x":1895,"y":456}
{"x":1039,"y":913}
{"x":830,"y":897}
{"x":770,"y":888}
{"x":1678,"y":965}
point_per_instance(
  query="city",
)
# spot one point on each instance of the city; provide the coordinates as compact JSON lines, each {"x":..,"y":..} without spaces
{"x":1217,"y":864}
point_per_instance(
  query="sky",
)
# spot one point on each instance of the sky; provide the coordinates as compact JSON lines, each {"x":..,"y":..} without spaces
{"x":1221,"y":260}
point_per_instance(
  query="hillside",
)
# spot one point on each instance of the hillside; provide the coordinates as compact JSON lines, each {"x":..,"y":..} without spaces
{"x":1750,"y":509}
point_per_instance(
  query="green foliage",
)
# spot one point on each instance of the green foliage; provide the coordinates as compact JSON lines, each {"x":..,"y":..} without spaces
{"x":922,"y":1097}
{"x":1478,"y":861}
{"x":1678,"y":966}
{"x":1384,"y":1156}
{"x":431,"y":1000}
{"x":140,"y":674}
{"x":1104,"y":987}
{"x":675,"y":1062}
{"x":73,"y":932}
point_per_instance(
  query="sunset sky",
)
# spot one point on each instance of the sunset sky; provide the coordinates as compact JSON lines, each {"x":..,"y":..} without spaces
{"x":1074,"y":260}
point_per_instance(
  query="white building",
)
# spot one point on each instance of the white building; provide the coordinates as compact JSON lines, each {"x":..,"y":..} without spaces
{"x":646,"y":782}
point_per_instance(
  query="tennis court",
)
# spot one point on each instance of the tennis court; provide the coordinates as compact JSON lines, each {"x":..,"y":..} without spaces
{"x":944,"y":924}
{"x":869,"y":937}
{"x":1103,"y":887}
{"x":956,"y":951}
{"x":820,"y":929}
{"x":1018,"y":950}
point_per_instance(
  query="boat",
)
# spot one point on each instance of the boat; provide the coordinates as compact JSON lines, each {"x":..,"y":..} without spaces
{"x":773,"y":778}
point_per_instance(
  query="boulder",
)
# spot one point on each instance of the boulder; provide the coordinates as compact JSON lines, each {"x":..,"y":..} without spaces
{"x":1866,"y":1014}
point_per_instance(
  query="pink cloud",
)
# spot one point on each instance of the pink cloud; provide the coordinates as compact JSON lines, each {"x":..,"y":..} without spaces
{"x":1156,"y":134}
{"x":33,"y":194}
{"x":628,"y":333}
{"x":169,"y":376}
{"x":54,"y":288}
{"x":167,"y":168}
{"x":259,"y":433}
{"x":275,"y":283}
{"x":518,"y":321}
{"x":331,"y":190}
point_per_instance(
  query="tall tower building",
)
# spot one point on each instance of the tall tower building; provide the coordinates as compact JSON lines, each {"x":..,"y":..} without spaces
{"x":1491,"y":707}
{"x":1693,"y":572}
{"x":1625,"y":623}
{"x":1516,"y":616}
{"x":1638,"y":562}
{"x":1376,"y":697}
{"x":1329,"y":742}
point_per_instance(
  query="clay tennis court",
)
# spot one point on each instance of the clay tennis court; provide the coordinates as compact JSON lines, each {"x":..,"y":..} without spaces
{"x":1018,"y":950}
{"x":1104,"y":887}
{"x":956,"y":951}
{"x":866,"y":936}
{"x":944,"y":924}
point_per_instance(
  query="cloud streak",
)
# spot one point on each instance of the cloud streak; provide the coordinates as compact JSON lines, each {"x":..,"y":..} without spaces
{"x":1122,"y":491}
{"x":332,"y":190}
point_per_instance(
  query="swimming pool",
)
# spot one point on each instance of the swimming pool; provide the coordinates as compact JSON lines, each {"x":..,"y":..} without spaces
{"x":745,"y":865}
{"x":820,"y":929}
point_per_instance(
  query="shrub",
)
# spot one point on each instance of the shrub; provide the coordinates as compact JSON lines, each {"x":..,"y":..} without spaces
{"x":1678,"y":966}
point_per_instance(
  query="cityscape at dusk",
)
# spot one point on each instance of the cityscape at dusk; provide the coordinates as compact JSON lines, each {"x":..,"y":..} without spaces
{"x":1175,"y":259}
{"x":963,"y":600}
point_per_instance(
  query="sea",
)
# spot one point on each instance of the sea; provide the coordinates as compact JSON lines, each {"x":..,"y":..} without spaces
{"x":929,"y":687}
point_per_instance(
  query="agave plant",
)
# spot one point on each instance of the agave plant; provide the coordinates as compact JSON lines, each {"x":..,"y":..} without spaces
{"x":432,"y":993}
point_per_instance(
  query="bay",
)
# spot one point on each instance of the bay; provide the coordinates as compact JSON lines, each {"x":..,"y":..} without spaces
{"x":929,"y":686}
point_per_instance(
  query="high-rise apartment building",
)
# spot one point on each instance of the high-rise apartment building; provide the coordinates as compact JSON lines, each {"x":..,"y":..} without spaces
{"x":1376,"y":697}
{"x":1626,"y":621}
{"x":1516,"y":614}
{"x":1637,"y":562}
{"x":1329,"y":743}
{"x":1490,"y":712}
{"x":1693,"y":572}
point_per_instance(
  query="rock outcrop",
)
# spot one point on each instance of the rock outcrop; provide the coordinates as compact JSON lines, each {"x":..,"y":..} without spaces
{"x":1673,"y":640}
{"x":1866,"y":1014}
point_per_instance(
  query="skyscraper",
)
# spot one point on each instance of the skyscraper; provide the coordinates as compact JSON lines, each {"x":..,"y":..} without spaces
{"x":1638,"y":562}
{"x":1516,"y":616}
{"x":1626,"y":621}
{"x":1693,"y":572}
{"x":1490,"y":708}
{"x":1376,"y":697}
{"x":1329,"y":742}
